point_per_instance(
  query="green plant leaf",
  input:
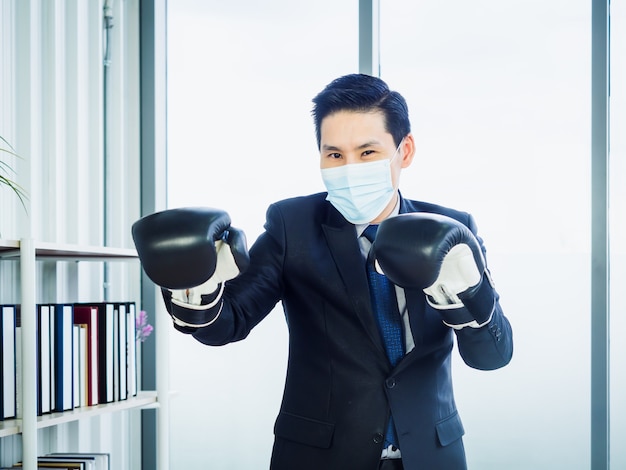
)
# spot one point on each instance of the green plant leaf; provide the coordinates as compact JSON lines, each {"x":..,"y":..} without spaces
{"x":5,"y":180}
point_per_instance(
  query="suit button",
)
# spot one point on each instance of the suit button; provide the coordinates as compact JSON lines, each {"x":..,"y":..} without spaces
{"x":390,"y":382}
{"x":378,"y":438}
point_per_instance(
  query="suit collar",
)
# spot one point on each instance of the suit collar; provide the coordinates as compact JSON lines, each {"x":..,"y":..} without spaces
{"x":343,"y":244}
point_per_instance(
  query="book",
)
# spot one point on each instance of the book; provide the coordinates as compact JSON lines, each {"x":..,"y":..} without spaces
{"x":131,"y":350}
{"x":122,"y":345}
{"x":101,"y":460}
{"x":80,"y":365}
{"x":116,"y":353}
{"x":51,"y":462}
{"x":54,"y":465}
{"x":64,"y":357}
{"x":84,"y":365}
{"x":8,"y":385}
{"x":88,"y":315}
{"x":105,"y":332}
{"x":52,"y":340}
{"x":44,"y":360}
{"x":63,"y":461}
{"x":57,"y":464}
{"x":18,"y":360}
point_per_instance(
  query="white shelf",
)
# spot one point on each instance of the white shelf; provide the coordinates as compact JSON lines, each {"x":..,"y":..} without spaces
{"x":6,"y":245}
{"x":10,"y":249}
{"x":142,"y":400}
{"x":10,"y":427}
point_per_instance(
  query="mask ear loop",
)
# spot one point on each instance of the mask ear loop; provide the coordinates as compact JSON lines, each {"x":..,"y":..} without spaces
{"x":397,"y":149}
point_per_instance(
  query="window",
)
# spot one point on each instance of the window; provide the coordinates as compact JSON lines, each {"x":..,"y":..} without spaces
{"x":500,"y":103}
{"x":241,"y":78}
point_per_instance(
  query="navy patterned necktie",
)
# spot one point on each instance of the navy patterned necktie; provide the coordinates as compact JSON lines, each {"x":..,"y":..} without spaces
{"x":385,"y":306}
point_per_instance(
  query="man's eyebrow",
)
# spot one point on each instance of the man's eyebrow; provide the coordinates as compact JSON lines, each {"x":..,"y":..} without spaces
{"x":328,"y":148}
{"x":370,"y":143}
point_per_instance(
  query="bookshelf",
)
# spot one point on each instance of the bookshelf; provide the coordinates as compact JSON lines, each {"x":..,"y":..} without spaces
{"x":90,"y":138}
{"x":143,"y":399}
{"x":28,"y":252}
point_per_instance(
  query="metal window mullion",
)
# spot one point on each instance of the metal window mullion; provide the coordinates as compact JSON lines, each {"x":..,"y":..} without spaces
{"x":369,"y":37}
{"x":153,"y":92}
{"x":600,"y":404}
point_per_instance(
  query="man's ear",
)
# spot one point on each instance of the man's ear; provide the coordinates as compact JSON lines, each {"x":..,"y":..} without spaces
{"x":407,"y":150}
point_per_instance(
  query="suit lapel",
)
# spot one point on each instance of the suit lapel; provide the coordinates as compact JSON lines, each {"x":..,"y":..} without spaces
{"x":341,"y":238}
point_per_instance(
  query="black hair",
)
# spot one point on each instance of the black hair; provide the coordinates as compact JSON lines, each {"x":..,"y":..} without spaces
{"x":362,"y":93}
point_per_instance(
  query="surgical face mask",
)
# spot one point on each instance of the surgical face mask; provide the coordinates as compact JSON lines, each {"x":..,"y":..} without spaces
{"x":360,"y":191}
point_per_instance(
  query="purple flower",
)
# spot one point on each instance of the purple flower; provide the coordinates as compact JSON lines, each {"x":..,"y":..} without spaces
{"x":142,"y":326}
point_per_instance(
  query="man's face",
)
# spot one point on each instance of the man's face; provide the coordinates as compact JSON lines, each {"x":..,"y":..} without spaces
{"x":349,"y":137}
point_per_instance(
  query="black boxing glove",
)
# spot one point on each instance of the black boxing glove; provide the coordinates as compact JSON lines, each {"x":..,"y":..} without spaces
{"x":190,"y":253}
{"x":442,"y":257}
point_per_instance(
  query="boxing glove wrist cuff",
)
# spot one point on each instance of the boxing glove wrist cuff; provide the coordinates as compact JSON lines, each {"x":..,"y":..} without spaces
{"x":179,"y":322}
{"x":188,"y":318}
{"x":480,"y":302}
{"x":470,"y":324}
{"x":434,"y":304}
{"x":458,"y":316}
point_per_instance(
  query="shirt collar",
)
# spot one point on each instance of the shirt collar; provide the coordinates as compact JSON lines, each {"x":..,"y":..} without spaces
{"x":360,"y":228}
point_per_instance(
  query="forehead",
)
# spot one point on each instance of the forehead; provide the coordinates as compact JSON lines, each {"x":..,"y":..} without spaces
{"x":346,"y":127}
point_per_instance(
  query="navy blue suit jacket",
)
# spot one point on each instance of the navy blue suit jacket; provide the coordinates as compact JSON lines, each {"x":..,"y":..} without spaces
{"x":340,"y":387}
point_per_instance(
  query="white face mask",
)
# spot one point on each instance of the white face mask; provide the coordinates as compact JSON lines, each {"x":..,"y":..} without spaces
{"x":360,"y":191}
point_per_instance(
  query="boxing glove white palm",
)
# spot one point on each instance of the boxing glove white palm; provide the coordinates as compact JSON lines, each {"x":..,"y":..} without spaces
{"x":228,"y":265}
{"x":458,"y":273}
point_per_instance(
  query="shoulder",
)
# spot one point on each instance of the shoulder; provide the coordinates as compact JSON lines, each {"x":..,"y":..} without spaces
{"x":409,"y":205}
{"x":300,"y":211}
{"x":310,"y":202}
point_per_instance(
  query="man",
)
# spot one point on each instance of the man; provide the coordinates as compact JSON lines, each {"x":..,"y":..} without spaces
{"x":360,"y":393}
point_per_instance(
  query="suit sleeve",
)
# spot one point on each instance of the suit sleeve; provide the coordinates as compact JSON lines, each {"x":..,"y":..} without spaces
{"x":490,"y":346}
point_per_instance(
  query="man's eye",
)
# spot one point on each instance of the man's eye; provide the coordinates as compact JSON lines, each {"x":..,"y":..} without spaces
{"x":368,"y":153}
{"x":334,"y":155}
